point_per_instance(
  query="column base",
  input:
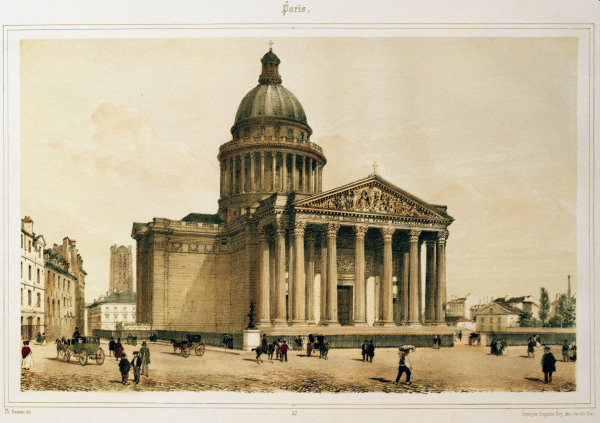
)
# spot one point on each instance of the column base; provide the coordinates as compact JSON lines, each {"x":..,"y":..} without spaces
{"x":386,"y":323}
{"x":415,"y":324}
{"x":438,"y":323}
{"x":360,"y":324}
{"x":331,"y":323}
{"x":264,"y":323}
{"x":310,"y":323}
{"x":298,"y":323}
{"x":280,"y":322}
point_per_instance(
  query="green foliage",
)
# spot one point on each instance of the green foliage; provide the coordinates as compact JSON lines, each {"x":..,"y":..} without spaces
{"x":544,"y":305}
{"x":526,"y":320}
{"x":566,"y":310}
{"x":555,"y":321}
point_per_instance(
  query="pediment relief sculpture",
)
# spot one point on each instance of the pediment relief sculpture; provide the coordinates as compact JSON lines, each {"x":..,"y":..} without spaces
{"x":370,"y":199}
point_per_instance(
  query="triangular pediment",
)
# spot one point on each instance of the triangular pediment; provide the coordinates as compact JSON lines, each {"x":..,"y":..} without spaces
{"x":372,"y":195}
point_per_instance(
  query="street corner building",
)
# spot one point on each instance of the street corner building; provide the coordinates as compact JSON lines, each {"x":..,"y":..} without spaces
{"x":310,"y":261}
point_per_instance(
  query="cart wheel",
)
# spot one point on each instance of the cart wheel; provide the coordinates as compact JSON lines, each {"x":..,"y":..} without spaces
{"x":100,"y":356}
{"x":185,"y":352}
{"x":200,"y":350}
{"x":83,"y":357}
{"x":68,"y":356}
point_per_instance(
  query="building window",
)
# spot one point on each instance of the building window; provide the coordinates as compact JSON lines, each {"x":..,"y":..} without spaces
{"x":21,"y":270}
{"x":69,"y":285}
{"x":106,"y":316}
{"x":38,"y":276}
{"x":29,"y":297}
{"x":21,"y":296}
{"x":21,"y":240}
{"x":29,"y":249}
{"x":39,"y":300}
{"x":29,"y":272}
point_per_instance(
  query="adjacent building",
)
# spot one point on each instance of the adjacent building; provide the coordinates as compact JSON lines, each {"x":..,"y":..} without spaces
{"x":112,"y":312}
{"x":347,"y":256}
{"x":462,"y":306}
{"x":32,"y":281}
{"x":494,"y":317}
{"x":60,"y":306}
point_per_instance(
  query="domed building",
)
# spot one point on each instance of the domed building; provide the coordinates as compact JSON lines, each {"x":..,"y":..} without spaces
{"x":342,"y":262}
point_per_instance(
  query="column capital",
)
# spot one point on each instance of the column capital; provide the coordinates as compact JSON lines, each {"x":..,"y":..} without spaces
{"x":311,"y":236}
{"x":413,"y":235}
{"x":387,"y":233}
{"x":262,"y":153}
{"x":280,"y":227}
{"x":299,"y":228}
{"x":263,"y":234}
{"x":360,"y":230}
{"x":332,"y":229}
{"x":442,"y":236}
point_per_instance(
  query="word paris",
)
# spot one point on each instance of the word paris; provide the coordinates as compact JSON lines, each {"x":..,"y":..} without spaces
{"x":293,"y":9}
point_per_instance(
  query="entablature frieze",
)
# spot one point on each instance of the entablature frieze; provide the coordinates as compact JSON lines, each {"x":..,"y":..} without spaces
{"x":370,"y":221}
{"x":271,"y":147}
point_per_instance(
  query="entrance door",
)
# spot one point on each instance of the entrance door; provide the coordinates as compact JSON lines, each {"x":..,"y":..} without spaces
{"x":345,"y":305}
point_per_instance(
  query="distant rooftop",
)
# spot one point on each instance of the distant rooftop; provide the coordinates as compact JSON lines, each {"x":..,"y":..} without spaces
{"x":203,"y":218}
{"x":116,"y":298}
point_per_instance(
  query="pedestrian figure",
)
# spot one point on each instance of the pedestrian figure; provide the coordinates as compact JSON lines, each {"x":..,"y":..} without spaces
{"x":76,"y":333}
{"x":264,"y":343}
{"x":26,"y":356}
{"x":111,"y":346}
{"x":145,"y":356}
{"x":124,"y":367}
{"x":498,"y":347}
{"x":270,"y":351}
{"x":284,"y":349}
{"x":404,"y":366}
{"x":459,"y":336}
{"x":434,"y":341}
{"x":364,"y":350}
{"x":493,"y":346}
{"x":503,"y":347}
{"x":548,"y":365}
{"x":573,"y":352}
{"x":565,"y":350}
{"x":136,"y":363}
{"x":311,"y":344}
{"x":530,"y":348}
{"x":259,"y":351}
{"x":119,"y":350}
{"x":439,"y":341}
{"x":323,"y":349}
{"x":277,"y":346}
{"x":370,"y":351}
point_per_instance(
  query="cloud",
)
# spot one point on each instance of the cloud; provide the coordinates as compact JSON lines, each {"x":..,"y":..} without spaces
{"x":126,"y":149}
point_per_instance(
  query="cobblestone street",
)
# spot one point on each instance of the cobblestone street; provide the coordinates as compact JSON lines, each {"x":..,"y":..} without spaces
{"x":459,"y":369}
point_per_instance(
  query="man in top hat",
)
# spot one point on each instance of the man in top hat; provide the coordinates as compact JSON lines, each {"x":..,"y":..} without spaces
{"x":548,"y":364}
{"x":145,"y":356}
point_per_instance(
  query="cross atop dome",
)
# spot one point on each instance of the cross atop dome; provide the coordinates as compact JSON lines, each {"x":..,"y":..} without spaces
{"x":271,"y":45}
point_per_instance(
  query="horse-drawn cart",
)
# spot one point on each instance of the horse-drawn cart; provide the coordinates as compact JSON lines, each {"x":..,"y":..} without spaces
{"x":82,"y":349}
{"x":185,"y":347}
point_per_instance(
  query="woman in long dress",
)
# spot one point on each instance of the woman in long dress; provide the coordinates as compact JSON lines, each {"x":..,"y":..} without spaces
{"x":27,"y":358}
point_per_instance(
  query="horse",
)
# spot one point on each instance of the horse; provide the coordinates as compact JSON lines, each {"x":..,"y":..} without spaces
{"x":323,"y":349}
{"x":176,"y":345}
{"x":270,"y":351}
{"x":259,"y":352}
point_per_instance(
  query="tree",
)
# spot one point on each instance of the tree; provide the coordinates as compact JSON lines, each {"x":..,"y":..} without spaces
{"x":566,"y":310}
{"x":525,"y":319}
{"x":555,"y":321}
{"x":544,"y":306}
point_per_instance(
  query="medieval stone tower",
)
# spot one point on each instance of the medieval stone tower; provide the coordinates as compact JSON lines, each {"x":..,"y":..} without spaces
{"x":121,"y":269}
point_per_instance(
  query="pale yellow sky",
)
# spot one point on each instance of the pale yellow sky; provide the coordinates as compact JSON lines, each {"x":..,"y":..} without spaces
{"x":117,"y":131}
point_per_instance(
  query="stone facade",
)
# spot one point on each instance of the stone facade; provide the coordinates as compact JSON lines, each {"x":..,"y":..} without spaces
{"x":113,"y":312}
{"x":348,"y":256}
{"x":60,"y":295}
{"x":32,"y":281}
{"x":121,"y":269}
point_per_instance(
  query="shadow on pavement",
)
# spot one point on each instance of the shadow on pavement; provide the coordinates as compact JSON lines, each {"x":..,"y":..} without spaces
{"x":380,"y":379}
{"x":534,"y":379}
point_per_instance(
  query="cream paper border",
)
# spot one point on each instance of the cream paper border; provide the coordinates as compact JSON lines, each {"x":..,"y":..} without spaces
{"x":333,"y":19}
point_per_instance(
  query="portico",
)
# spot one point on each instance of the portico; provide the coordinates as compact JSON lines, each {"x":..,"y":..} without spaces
{"x":362,"y":242}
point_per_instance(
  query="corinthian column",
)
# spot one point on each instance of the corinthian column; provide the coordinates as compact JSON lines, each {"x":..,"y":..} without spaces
{"x":311,"y":176}
{"x":242,"y":173}
{"x":360,"y":317}
{"x":280,"y":308}
{"x":387,"y":282}
{"x":262,"y":171}
{"x":324,"y":255}
{"x":299,"y":311}
{"x":274,"y":172}
{"x":284,"y":187}
{"x":430,"y":282}
{"x":252,"y":178}
{"x":264,"y":308}
{"x":303,"y":176}
{"x":440,"y":315}
{"x":233,"y":191}
{"x":413,"y":308}
{"x":310,"y":278}
{"x":293,"y":188}
{"x":405,"y":284}
{"x":332,"y":310}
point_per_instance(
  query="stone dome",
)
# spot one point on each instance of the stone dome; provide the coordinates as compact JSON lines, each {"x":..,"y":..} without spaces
{"x":270,"y":101}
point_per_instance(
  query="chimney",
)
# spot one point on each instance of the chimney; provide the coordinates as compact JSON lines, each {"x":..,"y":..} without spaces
{"x":569,"y":286}
{"x":27,"y":225}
